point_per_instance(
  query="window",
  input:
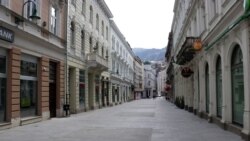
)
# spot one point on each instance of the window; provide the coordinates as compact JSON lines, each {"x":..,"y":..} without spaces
{"x":83,"y":7}
{"x":203,"y":19}
{"x":102,"y":28}
{"x":97,"y":85}
{"x":72,"y":34}
{"x":2,"y":88}
{"x":102,"y":51}
{"x":90,"y":44}
{"x":4,"y":3}
{"x":32,"y":8}
{"x":97,"y":22}
{"x":218,"y":87}
{"x":207,"y":88}
{"x":82,"y":88}
{"x":107,"y":33}
{"x":212,"y":10}
{"x":82,"y":42}
{"x":91,"y":14}
{"x":53,"y":20}
{"x":73,"y":2}
{"x":28,"y":86}
{"x":113,"y":65}
{"x":113,"y":43}
{"x":237,"y":86}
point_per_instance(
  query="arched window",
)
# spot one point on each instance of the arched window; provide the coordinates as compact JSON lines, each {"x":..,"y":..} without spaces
{"x":237,"y":86}
{"x":218,"y":87}
{"x":82,"y":41}
{"x":102,"y":51}
{"x":207,"y":87}
{"x":91,"y":14}
{"x":97,"y":22}
{"x":90,"y":44}
{"x":72,"y":34}
{"x":102,"y":28}
{"x":83,"y":7}
{"x":107,"y":32}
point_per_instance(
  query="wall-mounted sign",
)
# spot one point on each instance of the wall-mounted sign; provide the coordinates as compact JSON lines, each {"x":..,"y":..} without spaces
{"x":6,"y":34}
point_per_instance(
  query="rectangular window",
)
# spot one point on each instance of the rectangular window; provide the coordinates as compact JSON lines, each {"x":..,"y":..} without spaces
{"x":97,"y":85}
{"x":82,"y":88}
{"x":28,"y":86}
{"x":53,"y":20}
{"x":28,"y":69}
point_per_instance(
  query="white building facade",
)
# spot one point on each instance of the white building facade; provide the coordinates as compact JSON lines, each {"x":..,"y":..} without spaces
{"x":149,"y":81}
{"x":213,"y":81}
{"x":121,"y":67}
{"x":88,"y":36}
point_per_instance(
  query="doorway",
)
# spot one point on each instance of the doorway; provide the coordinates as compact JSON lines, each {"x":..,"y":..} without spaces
{"x":52,"y":89}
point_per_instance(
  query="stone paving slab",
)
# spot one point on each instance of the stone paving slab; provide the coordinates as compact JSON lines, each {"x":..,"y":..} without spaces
{"x":141,"y":120}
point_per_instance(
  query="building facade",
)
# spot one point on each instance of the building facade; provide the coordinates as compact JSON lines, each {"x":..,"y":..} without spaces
{"x":32,"y":56}
{"x":213,"y":80}
{"x":121,"y":67}
{"x":161,"y":81}
{"x":87,"y":54}
{"x":138,"y":78}
{"x":149,"y":80}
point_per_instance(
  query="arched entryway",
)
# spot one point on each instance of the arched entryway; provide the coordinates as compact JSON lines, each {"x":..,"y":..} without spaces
{"x":207,"y":87}
{"x":218,"y":87}
{"x":237,"y":86}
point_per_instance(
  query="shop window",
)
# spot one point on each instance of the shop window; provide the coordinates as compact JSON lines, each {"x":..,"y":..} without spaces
{"x":97,"y":85}
{"x":82,"y":88}
{"x":237,"y":86}
{"x":28,"y":86}
{"x":2,"y":88}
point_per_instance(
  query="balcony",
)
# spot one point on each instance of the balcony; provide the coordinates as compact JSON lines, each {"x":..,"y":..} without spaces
{"x":96,"y":62}
{"x":187,"y":51}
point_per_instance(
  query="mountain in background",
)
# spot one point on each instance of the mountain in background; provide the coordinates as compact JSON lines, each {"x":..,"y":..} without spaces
{"x":150,"y":54}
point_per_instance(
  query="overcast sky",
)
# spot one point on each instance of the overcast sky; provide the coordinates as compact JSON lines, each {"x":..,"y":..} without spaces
{"x":144,"y":23}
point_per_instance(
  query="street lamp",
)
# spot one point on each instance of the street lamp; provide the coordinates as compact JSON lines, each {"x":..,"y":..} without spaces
{"x":33,"y":16}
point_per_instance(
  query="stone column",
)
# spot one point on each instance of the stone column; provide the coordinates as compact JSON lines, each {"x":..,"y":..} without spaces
{"x":43,"y":88}
{"x":13,"y":87}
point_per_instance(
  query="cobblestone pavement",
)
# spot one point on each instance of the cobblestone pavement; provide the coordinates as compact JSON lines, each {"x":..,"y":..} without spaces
{"x":141,"y":120}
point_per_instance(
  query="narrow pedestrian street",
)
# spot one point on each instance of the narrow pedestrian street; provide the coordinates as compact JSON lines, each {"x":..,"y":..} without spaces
{"x":141,"y":120}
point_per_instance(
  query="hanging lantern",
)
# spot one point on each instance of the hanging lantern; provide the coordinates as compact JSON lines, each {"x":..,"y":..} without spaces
{"x":197,"y":45}
{"x":186,"y":72}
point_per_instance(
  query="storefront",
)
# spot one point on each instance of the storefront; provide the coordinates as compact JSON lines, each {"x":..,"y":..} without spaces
{"x":2,"y":85}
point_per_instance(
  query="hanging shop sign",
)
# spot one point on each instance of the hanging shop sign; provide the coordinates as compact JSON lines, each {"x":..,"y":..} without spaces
{"x":186,"y":72}
{"x":6,"y":34}
{"x":197,"y":45}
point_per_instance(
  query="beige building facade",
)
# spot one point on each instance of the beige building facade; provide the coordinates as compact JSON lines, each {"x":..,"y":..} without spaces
{"x":138,"y":78}
{"x":32,"y":56}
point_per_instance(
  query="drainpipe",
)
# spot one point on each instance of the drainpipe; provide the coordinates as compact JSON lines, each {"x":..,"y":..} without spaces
{"x":66,"y":99}
{"x":229,"y":28}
